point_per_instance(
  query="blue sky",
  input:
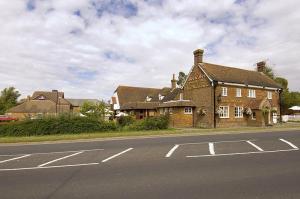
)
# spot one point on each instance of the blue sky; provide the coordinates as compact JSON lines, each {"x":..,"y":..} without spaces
{"x":87,"y":48}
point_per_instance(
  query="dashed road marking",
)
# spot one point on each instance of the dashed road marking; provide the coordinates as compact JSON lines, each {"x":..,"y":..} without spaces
{"x":116,"y":155}
{"x":211,"y":148}
{"x":289,"y":143}
{"x":171,"y":151}
{"x":44,"y":164}
{"x":16,"y":158}
{"x":255,"y":146}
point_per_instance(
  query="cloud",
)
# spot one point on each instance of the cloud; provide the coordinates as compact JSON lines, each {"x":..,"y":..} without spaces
{"x":88,"y":47}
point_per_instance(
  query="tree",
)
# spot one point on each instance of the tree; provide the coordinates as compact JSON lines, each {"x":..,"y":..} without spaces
{"x":8,"y":99}
{"x":181,"y":78}
{"x":282,"y":82}
{"x":269,"y":72}
{"x":95,"y":110}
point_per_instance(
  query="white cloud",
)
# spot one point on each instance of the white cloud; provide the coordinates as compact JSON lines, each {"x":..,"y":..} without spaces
{"x":40,"y":48}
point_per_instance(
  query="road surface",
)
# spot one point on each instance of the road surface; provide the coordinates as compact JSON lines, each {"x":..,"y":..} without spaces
{"x":257,"y":165}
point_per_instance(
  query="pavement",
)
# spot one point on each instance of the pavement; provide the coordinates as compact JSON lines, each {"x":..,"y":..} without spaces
{"x":248,"y":165}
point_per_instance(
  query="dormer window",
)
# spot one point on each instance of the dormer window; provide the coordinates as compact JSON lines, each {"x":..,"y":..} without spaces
{"x":160,"y":97}
{"x":41,"y":97}
{"x":148,"y":99}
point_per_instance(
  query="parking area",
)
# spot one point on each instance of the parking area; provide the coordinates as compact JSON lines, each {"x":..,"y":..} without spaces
{"x":230,"y":148}
{"x":61,"y":159}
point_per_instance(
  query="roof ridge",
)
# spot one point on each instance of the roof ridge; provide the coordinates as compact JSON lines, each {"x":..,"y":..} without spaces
{"x":231,"y":67}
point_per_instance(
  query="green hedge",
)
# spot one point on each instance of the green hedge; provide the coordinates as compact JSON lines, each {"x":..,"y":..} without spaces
{"x":125,"y":121}
{"x":56,"y":125}
{"x":74,"y":124}
{"x":151,"y":123}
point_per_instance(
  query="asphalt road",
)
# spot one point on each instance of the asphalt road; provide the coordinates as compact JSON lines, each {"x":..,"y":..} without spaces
{"x":260,"y":165}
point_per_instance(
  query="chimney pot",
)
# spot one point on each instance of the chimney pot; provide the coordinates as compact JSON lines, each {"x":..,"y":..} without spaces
{"x":173,"y":82}
{"x":198,"y":56}
{"x":261,"y":66}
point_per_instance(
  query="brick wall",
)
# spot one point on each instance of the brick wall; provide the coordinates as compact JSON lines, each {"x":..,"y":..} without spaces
{"x":198,"y":89}
{"x":179,"y":119}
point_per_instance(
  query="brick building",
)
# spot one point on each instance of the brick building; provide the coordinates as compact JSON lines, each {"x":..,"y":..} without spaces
{"x":212,"y":96}
{"x":47,"y":103}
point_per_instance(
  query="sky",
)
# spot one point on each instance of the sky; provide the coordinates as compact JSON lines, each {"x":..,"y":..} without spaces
{"x":87,"y":48}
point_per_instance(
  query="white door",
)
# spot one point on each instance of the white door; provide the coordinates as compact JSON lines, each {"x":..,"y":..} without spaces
{"x":274,"y":118}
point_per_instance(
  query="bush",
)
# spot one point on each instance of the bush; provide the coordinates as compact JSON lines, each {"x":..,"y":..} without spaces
{"x":151,"y":123}
{"x":125,"y":121}
{"x":56,"y":125}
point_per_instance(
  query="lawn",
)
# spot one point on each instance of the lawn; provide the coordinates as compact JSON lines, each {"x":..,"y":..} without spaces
{"x":168,"y":132}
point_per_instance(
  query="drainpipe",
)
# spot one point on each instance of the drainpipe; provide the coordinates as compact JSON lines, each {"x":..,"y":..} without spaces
{"x":280,"y":97}
{"x":214,"y":103}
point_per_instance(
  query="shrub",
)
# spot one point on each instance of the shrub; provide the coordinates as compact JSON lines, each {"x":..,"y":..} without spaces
{"x":151,"y":123}
{"x":56,"y":125}
{"x":125,"y":121}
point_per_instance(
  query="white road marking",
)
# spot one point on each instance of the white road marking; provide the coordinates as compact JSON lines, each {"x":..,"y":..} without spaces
{"x":50,"y":167}
{"x":191,"y":143}
{"x":245,"y":153}
{"x":118,"y":154}
{"x":172,"y":151}
{"x":255,"y":146}
{"x":55,"y":152}
{"x":289,"y":143}
{"x":211,"y":148}
{"x":60,"y":159}
{"x":16,"y":158}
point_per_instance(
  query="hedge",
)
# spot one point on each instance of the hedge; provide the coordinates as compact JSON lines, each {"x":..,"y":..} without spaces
{"x":55,"y":125}
{"x":151,"y":123}
{"x":74,"y":124}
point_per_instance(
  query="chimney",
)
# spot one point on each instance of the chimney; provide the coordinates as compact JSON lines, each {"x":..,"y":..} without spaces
{"x":261,"y":66}
{"x":198,"y":56}
{"x":54,"y":91}
{"x":173,"y":82}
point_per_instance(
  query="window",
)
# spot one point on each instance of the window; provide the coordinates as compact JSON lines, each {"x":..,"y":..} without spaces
{"x":224,"y":91}
{"x":188,"y":110}
{"x":269,"y":95}
{"x":251,"y":93}
{"x":238,"y":112}
{"x":148,"y":99}
{"x":238,"y":92}
{"x":224,"y":112}
{"x":253,"y":116}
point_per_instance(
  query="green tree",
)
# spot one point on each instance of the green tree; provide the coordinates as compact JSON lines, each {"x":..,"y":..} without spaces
{"x":8,"y":99}
{"x":269,"y":72}
{"x":95,"y":110}
{"x":181,"y":78}
{"x":283,"y":82}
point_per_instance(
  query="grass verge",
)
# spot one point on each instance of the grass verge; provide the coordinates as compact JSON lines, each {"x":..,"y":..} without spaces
{"x":114,"y":134}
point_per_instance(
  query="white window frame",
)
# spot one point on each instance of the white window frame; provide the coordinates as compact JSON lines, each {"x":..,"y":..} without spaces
{"x":253,"y":118}
{"x":222,"y":113}
{"x":238,"y":92}
{"x":251,"y":93}
{"x":269,"y":94}
{"x":224,"y":92}
{"x":188,"y":110}
{"x":238,"y":112}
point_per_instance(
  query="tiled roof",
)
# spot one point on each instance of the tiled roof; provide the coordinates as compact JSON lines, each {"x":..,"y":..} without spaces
{"x":178,"y":103}
{"x":79,"y":102}
{"x":34,"y":106}
{"x":236,"y":75}
{"x":128,"y":94}
{"x":53,"y":96}
{"x":139,"y":105}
